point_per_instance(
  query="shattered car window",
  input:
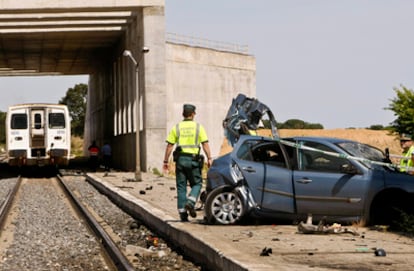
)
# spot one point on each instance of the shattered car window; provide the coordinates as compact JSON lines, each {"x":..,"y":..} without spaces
{"x":319,"y":161}
{"x":363,"y":150}
{"x":245,"y":116}
{"x":268,"y":152}
{"x":245,"y":150}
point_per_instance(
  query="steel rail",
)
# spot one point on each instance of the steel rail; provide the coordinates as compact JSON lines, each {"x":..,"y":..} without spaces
{"x":119,"y":260}
{"x":6,"y":204}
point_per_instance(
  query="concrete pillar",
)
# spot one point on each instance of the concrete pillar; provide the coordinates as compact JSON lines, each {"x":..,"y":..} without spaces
{"x":99,"y":123}
{"x":153,"y":86}
{"x":148,"y":30}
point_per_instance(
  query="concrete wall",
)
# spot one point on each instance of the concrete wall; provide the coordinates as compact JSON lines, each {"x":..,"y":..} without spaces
{"x":169,"y":76}
{"x":209,"y":79}
{"x":112,"y":98}
{"x":65,"y":4}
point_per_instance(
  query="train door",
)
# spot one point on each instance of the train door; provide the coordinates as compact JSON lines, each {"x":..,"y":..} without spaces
{"x":37,"y":129}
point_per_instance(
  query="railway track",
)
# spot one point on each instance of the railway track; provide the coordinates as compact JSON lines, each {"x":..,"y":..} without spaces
{"x":42,"y":218}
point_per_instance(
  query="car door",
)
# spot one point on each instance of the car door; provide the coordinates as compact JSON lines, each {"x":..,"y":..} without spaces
{"x":322,"y":188}
{"x":266,"y":171}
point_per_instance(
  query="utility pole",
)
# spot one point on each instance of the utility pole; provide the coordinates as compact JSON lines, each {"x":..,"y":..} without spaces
{"x":127,"y":53}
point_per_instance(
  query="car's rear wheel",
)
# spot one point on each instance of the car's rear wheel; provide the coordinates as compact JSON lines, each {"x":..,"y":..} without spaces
{"x":224,"y":206}
{"x":389,"y":208}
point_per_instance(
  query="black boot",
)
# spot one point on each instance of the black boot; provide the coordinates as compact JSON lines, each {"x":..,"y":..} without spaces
{"x":191,"y":210}
{"x":184,"y":217}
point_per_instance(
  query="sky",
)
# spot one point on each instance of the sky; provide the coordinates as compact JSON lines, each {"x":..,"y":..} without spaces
{"x":36,"y":89}
{"x":332,"y":62}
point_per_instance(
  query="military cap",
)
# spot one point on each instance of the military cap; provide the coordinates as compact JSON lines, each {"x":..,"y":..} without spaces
{"x":405,"y":137}
{"x":189,"y":108}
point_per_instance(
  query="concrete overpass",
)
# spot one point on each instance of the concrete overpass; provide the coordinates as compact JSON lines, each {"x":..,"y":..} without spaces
{"x":71,"y":37}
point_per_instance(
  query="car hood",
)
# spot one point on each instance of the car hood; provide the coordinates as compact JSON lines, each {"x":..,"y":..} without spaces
{"x":245,"y":116}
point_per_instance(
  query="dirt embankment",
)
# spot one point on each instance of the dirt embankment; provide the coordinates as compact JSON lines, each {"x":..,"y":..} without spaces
{"x":380,"y":139}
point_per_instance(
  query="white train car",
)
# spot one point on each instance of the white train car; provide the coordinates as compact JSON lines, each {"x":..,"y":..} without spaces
{"x":38,"y":135}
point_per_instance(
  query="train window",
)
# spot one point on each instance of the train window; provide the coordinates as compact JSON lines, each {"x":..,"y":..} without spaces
{"x":56,"y":120}
{"x":37,"y":121}
{"x":19,"y":121}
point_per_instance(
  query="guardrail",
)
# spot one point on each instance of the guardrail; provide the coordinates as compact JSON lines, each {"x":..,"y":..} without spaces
{"x":202,"y":42}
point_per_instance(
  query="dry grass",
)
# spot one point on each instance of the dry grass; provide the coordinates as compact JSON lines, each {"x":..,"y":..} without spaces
{"x":76,"y":144}
{"x":380,"y":139}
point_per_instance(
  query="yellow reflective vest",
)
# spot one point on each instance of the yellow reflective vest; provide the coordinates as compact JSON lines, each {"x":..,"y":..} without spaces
{"x":188,"y":135}
{"x":407,"y":161}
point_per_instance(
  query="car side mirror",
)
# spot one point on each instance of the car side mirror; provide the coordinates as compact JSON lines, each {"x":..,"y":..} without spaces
{"x":348,"y":169}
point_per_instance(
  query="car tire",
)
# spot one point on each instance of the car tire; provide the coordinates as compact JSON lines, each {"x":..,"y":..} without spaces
{"x":224,"y":207}
{"x":390,"y":209}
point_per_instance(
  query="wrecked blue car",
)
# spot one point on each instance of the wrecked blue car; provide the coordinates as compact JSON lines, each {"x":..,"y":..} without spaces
{"x":333,"y":179}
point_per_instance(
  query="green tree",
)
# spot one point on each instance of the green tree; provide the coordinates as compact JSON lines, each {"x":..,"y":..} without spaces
{"x":75,"y":99}
{"x":298,"y":124}
{"x":376,"y":127}
{"x":403,"y":107}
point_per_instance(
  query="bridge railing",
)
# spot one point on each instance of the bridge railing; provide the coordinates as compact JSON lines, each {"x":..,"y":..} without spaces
{"x":202,"y":42}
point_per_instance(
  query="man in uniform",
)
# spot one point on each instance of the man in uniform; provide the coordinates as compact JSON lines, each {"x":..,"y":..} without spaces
{"x":187,"y":135}
{"x":407,"y":161}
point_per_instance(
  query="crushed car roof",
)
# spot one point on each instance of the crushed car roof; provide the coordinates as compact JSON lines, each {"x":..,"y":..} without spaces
{"x":244,"y":116}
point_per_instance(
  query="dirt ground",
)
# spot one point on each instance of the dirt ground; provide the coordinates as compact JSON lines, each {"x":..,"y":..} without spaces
{"x":334,"y":251}
{"x":290,"y":248}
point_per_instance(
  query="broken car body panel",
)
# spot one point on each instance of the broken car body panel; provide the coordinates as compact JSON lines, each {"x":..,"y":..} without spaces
{"x":244,"y":117}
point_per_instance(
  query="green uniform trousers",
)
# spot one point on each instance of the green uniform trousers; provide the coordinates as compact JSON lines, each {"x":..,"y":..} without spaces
{"x":187,"y":169}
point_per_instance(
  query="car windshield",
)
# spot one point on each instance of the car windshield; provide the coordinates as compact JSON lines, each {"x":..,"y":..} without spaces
{"x":363,"y":150}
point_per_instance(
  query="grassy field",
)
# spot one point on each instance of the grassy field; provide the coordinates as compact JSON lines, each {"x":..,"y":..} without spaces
{"x":380,"y":139}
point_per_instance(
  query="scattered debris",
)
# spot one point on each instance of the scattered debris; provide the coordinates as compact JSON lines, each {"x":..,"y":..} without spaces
{"x":266,"y":252}
{"x":248,"y":233}
{"x":381,"y":228}
{"x":134,"y":224}
{"x":124,"y":187}
{"x":245,"y":235}
{"x":144,"y":252}
{"x":380,"y":252}
{"x":130,"y":180}
{"x":321,"y":228}
{"x":151,"y":241}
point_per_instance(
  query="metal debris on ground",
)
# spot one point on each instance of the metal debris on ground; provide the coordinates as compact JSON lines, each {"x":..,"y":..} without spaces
{"x":321,"y":228}
{"x":129,"y":180}
{"x":382,"y":228}
{"x":380,"y":252}
{"x":266,"y":252}
{"x":124,"y":187}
